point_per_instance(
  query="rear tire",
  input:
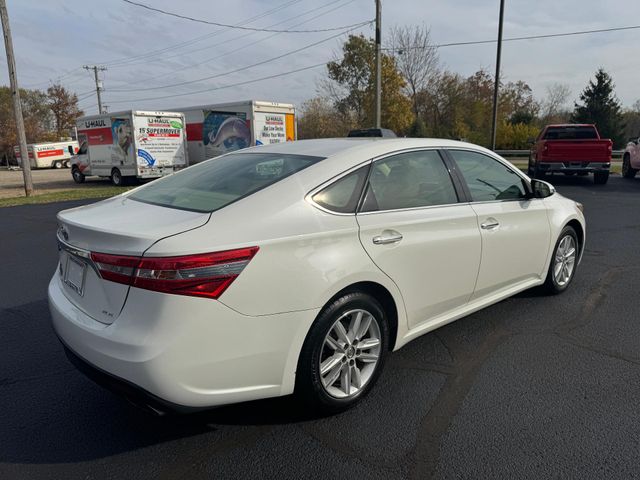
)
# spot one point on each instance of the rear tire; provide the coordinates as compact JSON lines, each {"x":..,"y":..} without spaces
{"x":627,"y":170}
{"x":116,"y":178}
{"x":600,"y":178}
{"x":349,"y":340}
{"x":564,"y":262}
{"x":57,"y":165}
{"x":77,"y":175}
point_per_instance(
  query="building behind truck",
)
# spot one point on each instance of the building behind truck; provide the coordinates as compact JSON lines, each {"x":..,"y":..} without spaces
{"x":49,"y":154}
{"x":130,"y":145}
{"x":216,"y":129}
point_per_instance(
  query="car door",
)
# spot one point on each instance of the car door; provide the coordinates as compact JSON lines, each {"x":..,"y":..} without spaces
{"x":417,"y":232}
{"x":514,"y":227}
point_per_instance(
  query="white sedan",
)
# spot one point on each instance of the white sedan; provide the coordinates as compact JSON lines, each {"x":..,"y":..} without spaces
{"x":298,"y":267}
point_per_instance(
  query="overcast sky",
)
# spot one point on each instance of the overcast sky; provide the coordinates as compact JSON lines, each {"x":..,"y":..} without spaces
{"x":54,"y":38}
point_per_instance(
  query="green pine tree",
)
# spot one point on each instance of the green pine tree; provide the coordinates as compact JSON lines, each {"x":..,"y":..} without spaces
{"x":601,"y":107}
{"x":417,"y":129}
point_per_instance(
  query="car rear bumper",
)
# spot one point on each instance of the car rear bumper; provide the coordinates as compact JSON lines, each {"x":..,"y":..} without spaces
{"x":578,"y":166}
{"x":173,"y":352}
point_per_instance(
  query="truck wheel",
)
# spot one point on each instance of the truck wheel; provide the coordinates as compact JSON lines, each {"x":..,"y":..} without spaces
{"x":77,"y":175}
{"x":600,"y":178}
{"x":57,"y":165}
{"x":66,"y":164}
{"x":627,"y":170}
{"x":116,"y":177}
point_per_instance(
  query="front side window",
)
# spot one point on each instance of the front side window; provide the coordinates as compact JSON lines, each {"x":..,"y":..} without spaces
{"x":214,"y":184}
{"x":409,"y":180}
{"x":487,"y":178}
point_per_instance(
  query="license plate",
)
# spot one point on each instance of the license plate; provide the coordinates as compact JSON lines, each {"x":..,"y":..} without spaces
{"x":74,"y":274}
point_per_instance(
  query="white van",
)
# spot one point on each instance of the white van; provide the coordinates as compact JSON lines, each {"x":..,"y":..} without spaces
{"x":49,"y":154}
{"x":215,"y":129}
{"x":130,"y":145}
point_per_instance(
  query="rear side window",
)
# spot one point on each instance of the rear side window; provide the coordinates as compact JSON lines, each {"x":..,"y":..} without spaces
{"x":409,"y":180}
{"x":570,"y":133}
{"x":343,"y":195}
{"x":216,"y":183}
{"x":487,"y":178}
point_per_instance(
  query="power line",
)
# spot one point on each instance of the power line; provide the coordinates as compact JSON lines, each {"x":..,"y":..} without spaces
{"x":125,"y":60}
{"x":210,"y":77}
{"x":156,"y":77}
{"x":514,"y":39}
{"x":235,"y":84}
{"x":240,"y":27}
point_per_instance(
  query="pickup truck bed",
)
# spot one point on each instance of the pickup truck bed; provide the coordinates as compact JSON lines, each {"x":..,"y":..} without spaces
{"x":571,"y":149}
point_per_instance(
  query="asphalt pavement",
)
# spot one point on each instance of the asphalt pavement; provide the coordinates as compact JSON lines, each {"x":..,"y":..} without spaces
{"x":533,"y":387}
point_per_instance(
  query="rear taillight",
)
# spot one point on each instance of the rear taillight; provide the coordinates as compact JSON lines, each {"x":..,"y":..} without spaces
{"x":203,"y":275}
{"x":117,"y":268}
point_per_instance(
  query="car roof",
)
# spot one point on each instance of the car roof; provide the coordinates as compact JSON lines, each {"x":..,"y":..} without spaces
{"x":330,"y":147}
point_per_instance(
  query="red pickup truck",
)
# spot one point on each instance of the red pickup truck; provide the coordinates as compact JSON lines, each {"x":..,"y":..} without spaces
{"x":572,"y":149}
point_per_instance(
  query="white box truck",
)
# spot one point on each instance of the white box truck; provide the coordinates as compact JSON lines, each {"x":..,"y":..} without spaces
{"x":130,"y":145}
{"x":220,"y":128}
{"x":49,"y":154}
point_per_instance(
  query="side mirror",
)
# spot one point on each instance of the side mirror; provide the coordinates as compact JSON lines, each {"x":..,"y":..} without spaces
{"x":541,"y":189}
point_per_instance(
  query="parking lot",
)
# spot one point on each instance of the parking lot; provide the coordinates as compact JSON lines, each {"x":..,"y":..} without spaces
{"x":533,"y":387}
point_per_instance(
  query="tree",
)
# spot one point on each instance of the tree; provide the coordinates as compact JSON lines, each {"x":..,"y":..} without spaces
{"x":416,"y":59}
{"x":319,"y":119}
{"x":351,"y":86}
{"x":553,"y":107}
{"x":37,"y":119}
{"x":64,"y":107}
{"x":601,"y":107}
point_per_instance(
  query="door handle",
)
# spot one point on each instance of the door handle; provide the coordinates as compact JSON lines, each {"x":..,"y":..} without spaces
{"x":490,"y":224}
{"x":387,"y":238}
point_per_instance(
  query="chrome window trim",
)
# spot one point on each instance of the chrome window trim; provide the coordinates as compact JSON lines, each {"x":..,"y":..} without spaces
{"x":500,"y":160}
{"x":410,"y":209}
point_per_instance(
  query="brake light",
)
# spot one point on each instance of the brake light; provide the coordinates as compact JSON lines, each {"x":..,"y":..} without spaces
{"x":202,"y":275}
{"x":117,"y":268}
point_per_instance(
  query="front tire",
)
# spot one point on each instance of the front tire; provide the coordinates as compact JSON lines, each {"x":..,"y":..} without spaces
{"x":77,"y":175}
{"x":627,"y":170}
{"x":343,"y":354}
{"x":564,"y":262}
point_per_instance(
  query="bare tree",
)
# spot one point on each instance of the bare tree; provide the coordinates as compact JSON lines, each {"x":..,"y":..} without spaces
{"x":416,"y":59}
{"x":557,"y":98}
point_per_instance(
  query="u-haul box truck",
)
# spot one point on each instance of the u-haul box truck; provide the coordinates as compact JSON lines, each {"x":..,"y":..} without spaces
{"x":130,"y":145}
{"x":49,"y":154}
{"x":220,"y":128}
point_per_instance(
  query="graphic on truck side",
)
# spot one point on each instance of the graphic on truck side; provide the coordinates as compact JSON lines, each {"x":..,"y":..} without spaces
{"x":224,"y":132}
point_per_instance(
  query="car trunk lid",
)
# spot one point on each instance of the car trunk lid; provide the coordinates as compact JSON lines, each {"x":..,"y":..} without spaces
{"x":117,"y":226}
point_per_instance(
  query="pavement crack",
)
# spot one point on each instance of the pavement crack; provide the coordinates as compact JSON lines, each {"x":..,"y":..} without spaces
{"x":576,"y":342}
{"x":438,"y":419}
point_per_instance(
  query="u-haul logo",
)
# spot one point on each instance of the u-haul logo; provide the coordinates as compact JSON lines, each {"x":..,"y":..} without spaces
{"x":95,"y":123}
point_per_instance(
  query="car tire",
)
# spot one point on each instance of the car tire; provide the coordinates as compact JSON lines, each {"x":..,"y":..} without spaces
{"x":77,"y":175}
{"x":627,"y":170}
{"x":336,"y":344}
{"x":564,"y":261}
{"x":600,"y":178}
{"x":116,"y":178}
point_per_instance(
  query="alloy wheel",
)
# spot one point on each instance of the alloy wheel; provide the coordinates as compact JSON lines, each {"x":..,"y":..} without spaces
{"x":350,"y":353}
{"x":564,"y":260}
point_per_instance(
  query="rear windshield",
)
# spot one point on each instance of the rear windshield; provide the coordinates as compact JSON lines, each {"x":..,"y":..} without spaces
{"x":571,"y":133}
{"x":216,"y":183}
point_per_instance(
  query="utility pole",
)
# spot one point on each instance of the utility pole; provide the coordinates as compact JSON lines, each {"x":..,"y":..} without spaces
{"x":95,"y":69}
{"x":17,"y":106}
{"x":494,"y":123}
{"x":378,"y":63}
